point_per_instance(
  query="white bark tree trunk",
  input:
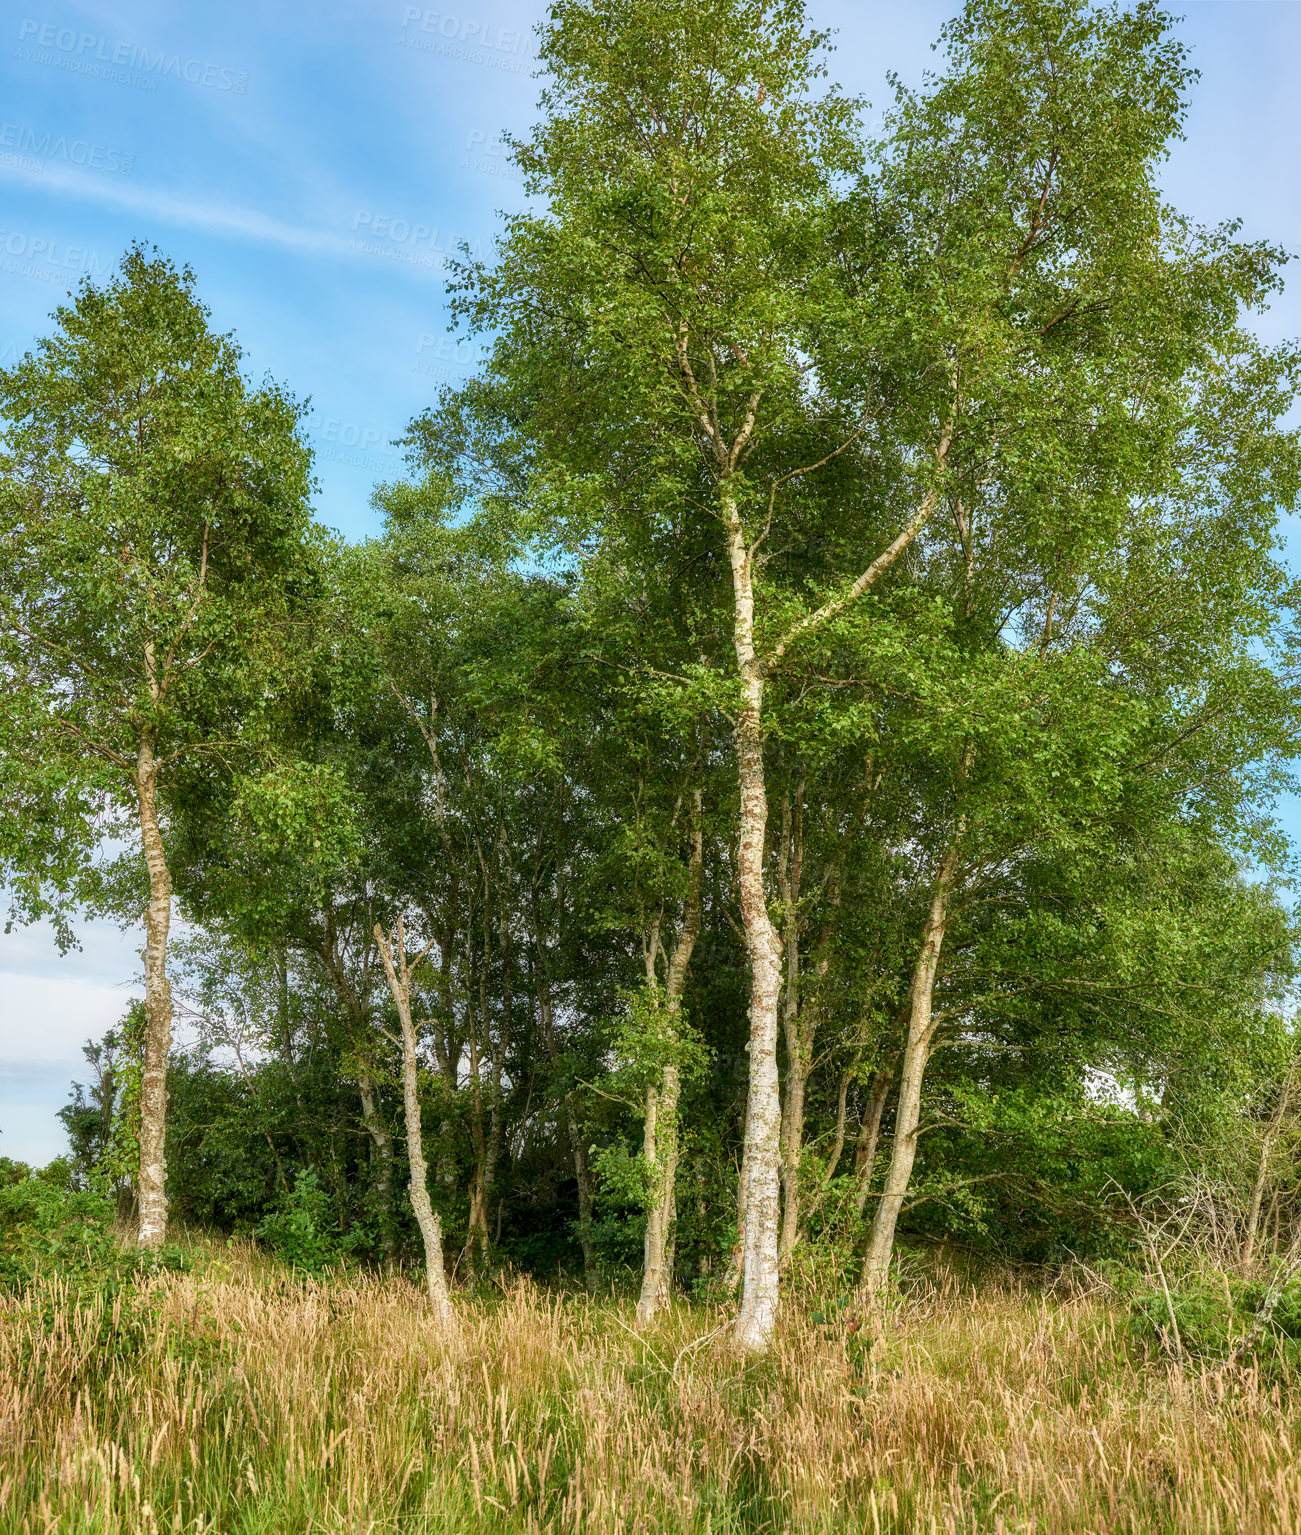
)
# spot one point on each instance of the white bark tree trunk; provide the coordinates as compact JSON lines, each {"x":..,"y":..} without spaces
{"x":921,"y":1032}
{"x":399,"y":979}
{"x":758,"y":1315}
{"x":158,"y":1005}
{"x":382,"y":1144}
{"x":660,"y":1138}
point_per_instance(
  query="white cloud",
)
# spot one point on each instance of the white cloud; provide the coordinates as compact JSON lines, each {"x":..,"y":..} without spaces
{"x":208,"y":217}
{"x":107,"y":953}
{"x":46,"y":1019}
{"x":30,"y":1099}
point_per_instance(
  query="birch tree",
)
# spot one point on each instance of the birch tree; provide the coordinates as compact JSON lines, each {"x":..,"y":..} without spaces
{"x":153,"y":528}
{"x":398,"y":967}
{"x":1134,"y":414}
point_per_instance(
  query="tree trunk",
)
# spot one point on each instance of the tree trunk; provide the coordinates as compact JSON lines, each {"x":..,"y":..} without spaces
{"x":800,"y":1022}
{"x":797,"y":1076}
{"x":921,"y":1030}
{"x":798,"y":1049}
{"x":869,"y":1136}
{"x":660,"y":1140}
{"x":498,"y":1048}
{"x":1262,"y":1174}
{"x":382,"y":1144}
{"x":586,"y":1199}
{"x":399,"y":979}
{"x":735,"y":1270}
{"x":477,"y":1224}
{"x":158,"y":1005}
{"x":758,"y":1315}
{"x":838,"y":1139}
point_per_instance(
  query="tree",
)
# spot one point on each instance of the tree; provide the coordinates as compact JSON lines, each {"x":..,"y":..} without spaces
{"x":846,"y":374}
{"x":99,"y":1118}
{"x":153,"y":530}
{"x":1117,"y":424}
{"x":398,"y":969}
{"x":688,"y":177}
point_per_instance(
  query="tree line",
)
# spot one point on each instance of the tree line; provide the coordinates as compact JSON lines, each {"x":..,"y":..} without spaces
{"x":800,"y":756}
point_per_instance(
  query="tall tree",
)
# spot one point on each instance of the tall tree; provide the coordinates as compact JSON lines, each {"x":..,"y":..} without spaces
{"x":153,"y":525}
{"x":822,"y":364}
{"x":1116,"y":420}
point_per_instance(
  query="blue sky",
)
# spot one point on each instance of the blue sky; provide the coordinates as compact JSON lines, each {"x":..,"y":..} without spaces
{"x":314,"y":163}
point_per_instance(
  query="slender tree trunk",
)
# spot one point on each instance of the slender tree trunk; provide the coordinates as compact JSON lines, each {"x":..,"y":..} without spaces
{"x":869,"y":1137}
{"x":497,"y":1065}
{"x":158,"y":1003}
{"x":735,"y":1270}
{"x":837,"y":1148}
{"x":921,"y":1031}
{"x":1262,"y":1174}
{"x":797,"y":1077}
{"x":758,"y":1315}
{"x":800,"y":1023}
{"x":382,"y":1145}
{"x":842,"y":1121}
{"x":660,"y":1139}
{"x":586,"y":1198}
{"x":399,"y":979}
{"x":798,"y":1050}
{"x":477,"y":1225}
{"x":660,"y":1147}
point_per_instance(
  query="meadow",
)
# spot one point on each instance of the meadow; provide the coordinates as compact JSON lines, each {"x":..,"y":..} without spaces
{"x":240,"y":1399}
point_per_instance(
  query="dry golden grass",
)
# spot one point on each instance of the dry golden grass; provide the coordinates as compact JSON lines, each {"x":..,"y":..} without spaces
{"x":240,"y":1401}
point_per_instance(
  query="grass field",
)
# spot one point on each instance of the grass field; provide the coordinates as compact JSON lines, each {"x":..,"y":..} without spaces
{"x":234,"y":1398}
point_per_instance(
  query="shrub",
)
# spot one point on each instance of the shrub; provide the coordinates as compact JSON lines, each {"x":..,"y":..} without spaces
{"x":46,"y":1226}
{"x":1216,"y":1313}
{"x":301,"y":1229}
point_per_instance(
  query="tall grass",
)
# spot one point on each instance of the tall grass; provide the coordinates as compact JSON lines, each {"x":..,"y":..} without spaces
{"x":235,"y":1399}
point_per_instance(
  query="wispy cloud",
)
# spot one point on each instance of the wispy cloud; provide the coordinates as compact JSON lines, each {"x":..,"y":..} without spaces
{"x":208,"y":217}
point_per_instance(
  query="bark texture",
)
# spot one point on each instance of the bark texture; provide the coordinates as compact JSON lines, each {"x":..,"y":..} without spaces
{"x":917,"y":1048}
{"x":758,"y":1314}
{"x":660,"y":1135}
{"x":158,"y":1005}
{"x":399,"y":979}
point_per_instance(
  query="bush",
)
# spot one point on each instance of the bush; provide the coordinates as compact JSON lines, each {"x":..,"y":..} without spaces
{"x":301,"y":1229}
{"x":46,"y":1226}
{"x":1215,"y":1313}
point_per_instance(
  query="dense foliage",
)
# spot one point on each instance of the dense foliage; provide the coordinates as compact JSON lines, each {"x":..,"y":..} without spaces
{"x":841,"y":636}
